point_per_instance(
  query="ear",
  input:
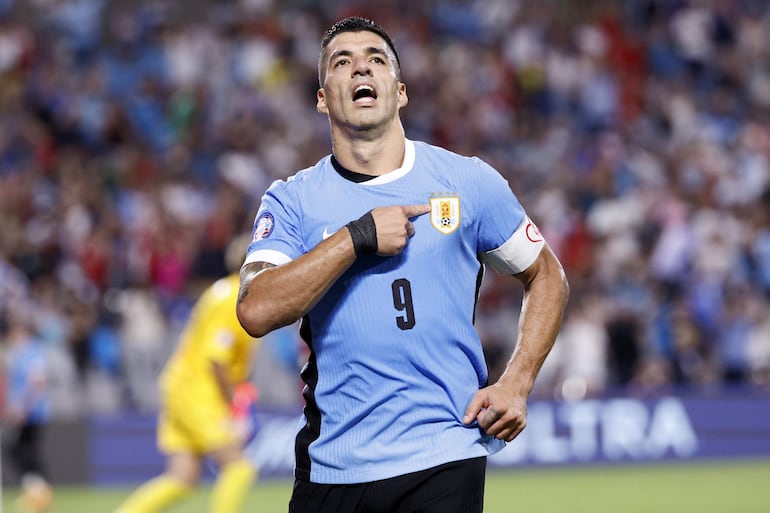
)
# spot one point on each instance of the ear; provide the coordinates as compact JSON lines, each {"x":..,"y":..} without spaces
{"x":321,"y":102}
{"x":403,"y":99}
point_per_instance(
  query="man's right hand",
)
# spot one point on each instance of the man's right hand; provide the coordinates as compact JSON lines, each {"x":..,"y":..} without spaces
{"x":394,"y":226}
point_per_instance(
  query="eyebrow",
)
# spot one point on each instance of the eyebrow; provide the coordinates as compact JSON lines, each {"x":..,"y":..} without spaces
{"x":369,"y":50}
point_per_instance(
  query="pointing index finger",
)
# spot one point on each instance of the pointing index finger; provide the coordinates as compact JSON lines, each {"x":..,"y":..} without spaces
{"x":412,"y":211}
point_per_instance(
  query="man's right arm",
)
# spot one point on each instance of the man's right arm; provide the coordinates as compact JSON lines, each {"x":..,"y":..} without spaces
{"x":273,"y":296}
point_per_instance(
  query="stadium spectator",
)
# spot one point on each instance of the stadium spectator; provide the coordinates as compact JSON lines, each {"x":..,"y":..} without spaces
{"x":399,"y":415}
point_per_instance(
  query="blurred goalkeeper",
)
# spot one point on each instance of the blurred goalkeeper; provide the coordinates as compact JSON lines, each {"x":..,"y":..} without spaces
{"x":205,"y":411}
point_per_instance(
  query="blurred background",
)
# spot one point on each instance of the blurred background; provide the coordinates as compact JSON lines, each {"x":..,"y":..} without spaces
{"x":136,"y":138}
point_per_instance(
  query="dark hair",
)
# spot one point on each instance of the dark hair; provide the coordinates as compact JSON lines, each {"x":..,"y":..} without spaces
{"x":353,"y":24}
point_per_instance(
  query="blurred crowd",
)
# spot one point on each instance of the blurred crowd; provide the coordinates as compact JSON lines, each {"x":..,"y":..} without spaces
{"x":136,"y":139}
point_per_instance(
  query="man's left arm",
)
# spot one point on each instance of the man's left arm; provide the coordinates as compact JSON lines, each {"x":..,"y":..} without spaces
{"x":501,"y":408}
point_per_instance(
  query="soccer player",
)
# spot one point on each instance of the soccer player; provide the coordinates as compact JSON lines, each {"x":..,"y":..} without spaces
{"x":380,"y":249}
{"x":197,"y":420}
{"x":26,"y":406}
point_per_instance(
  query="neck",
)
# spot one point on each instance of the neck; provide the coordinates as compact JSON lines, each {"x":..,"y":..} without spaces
{"x":368,"y":153}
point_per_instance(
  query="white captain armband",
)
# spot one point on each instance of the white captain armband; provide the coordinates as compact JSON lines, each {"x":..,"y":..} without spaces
{"x":518,"y":252}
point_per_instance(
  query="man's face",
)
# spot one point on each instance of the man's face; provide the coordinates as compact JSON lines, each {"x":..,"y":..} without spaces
{"x":361,"y":89}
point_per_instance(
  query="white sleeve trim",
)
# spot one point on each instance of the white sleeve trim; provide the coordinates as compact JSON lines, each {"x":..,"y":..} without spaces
{"x":518,"y":252}
{"x":270,"y":256}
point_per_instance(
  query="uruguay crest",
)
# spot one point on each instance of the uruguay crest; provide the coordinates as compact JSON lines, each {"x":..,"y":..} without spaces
{"x":445,"y":213}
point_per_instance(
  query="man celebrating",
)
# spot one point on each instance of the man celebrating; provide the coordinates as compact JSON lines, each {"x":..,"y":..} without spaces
{"x":380,"y":249}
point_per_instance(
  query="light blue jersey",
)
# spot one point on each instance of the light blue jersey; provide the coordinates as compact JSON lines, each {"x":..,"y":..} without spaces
{"x":26,"y":371}
{"x":395,"y":358}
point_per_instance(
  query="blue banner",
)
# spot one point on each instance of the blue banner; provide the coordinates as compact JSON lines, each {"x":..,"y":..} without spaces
{"x":608,"y":430}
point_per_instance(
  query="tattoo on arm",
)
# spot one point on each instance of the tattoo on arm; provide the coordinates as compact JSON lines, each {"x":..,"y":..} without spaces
{"x":248,"y":273}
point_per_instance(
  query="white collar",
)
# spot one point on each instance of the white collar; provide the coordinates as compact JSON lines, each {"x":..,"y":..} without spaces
{"x":406,"y":166}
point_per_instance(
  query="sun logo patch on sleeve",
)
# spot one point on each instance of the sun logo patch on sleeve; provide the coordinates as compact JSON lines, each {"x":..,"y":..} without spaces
{"x":445,"y":213}
{"x":263,"y":226}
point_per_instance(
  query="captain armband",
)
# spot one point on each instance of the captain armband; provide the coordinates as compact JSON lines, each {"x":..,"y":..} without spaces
{"x":518,"y":252}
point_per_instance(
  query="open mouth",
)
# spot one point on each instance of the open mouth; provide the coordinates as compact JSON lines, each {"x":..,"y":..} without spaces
{"x":364,"y":92}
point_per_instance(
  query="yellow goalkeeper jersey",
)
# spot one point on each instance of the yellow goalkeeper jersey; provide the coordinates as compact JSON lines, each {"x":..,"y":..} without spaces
{"x":212,"y":334}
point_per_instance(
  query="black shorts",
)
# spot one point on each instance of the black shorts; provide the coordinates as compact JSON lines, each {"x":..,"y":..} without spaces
{"x":455,"y":487}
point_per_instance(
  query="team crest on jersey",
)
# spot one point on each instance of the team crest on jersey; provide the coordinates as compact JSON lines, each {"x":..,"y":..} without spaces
{"x":445,"y":213}
{"x":263,"y":226}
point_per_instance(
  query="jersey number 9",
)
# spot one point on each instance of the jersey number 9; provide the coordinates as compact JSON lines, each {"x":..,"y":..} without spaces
{"x":402,"y":301}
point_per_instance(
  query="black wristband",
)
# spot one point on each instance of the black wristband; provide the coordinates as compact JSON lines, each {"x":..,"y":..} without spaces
{"x":364,"y":234}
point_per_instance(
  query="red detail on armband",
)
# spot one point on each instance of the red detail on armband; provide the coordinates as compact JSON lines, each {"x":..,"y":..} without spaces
{"x":533,"y":234}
